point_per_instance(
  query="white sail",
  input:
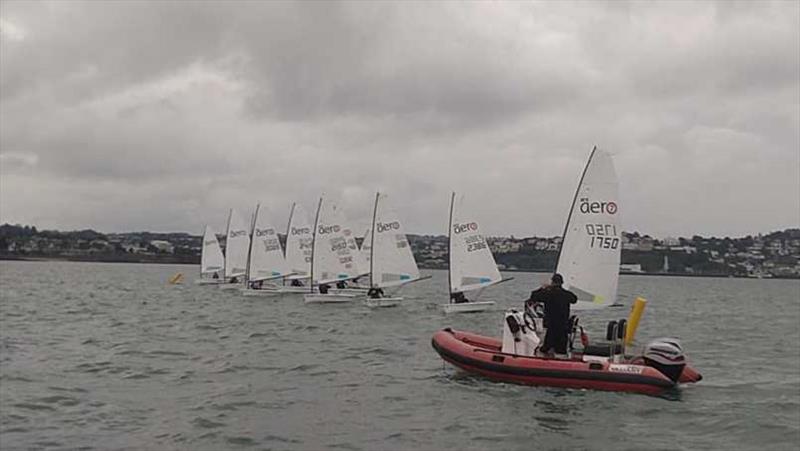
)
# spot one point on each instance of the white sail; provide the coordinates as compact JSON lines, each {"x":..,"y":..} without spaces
{"x":299,"y":236}
{"x":332,"y":258}
{"x":591,"y":249}
{"x":266,"y":253}
{"x":211,"y":259}
{"x":236,"y":246}
{"x":366,"y":248}
{"x":361,"y":263}
{"x":472,"y":265}
{"x":392,"y":261}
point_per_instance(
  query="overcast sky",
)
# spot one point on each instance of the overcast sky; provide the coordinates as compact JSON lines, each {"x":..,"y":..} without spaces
{"x":137,"y":115}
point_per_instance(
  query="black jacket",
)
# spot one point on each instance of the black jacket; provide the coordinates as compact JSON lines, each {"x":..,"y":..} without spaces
{"x":556,"y":302}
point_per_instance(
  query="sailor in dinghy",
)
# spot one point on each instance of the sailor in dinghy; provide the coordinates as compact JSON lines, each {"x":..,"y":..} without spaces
{"x":211,"y":259}
{"x":266,"y":261}
{"x":391,"y":262}
{"x":331,"y":258}
{"x":237,"y":245}
{"x":471,"y":267}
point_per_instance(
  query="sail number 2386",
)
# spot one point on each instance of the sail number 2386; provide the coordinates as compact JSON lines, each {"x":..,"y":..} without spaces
{"x":604,"y":236}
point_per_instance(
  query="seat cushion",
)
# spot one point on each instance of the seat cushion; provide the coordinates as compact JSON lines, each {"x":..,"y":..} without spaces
{"x":602,"y":349}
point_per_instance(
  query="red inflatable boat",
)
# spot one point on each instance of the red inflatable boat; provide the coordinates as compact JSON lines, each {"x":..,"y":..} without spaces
{"x":482,"y":355}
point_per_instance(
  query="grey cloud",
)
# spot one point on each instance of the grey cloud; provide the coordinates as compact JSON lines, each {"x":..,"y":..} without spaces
{"x":180,"y":110}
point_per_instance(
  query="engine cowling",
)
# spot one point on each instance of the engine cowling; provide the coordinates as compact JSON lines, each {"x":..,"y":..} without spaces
{"x":666,"y":355}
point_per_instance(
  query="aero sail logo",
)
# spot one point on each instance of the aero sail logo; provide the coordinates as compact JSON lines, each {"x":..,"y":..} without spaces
{"x":595,"y":207}
{"x":300,"y":230}
{"x":386,"y":226}
{"x":322,"y":230}
{"x":264,"y":232}
{"x":236,"y":233}
{"x":461,"y":228}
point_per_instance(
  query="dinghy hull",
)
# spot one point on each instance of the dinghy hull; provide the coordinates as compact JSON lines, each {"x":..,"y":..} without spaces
{"x":328,"y":298}
{"x":482,"y":355}
{"x":382,"y":302}
{"x":468,"y":307}
{"x":207,"y":282}
{"x":230,"y":286}
{"x":260,"y":293}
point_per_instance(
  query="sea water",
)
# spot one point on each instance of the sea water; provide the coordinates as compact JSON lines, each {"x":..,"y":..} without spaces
{"x":109,"y":356}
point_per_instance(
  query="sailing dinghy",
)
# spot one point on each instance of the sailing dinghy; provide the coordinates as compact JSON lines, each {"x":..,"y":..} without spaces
{"x":589,"y":262}
{"x":391,"y":261}
{"x":592,"y":241}
{"x":211,"y":259}
{"x":472,"y":267}
{"x":266,"y":260}
{"x":331,"y":258}
{"x":297,"y":253}
{"x":236,"y":246}
{"x":359,"y":258}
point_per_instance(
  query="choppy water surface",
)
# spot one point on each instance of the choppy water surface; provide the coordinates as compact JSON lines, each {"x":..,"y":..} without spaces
{"x":108,"y":356}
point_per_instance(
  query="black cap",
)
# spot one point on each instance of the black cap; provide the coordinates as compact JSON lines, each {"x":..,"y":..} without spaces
{"x":557,"y":279}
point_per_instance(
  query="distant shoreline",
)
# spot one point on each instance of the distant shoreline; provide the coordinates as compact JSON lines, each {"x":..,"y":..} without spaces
{"x":134,"y":258}
{"x":188,"y":261}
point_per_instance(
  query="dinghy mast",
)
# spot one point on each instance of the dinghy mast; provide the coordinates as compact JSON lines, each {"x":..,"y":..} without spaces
{"x":450,"y":250}
{"x":227,"y":248}
{"x":288,"y":231}
{"x":313,"y":246}
{"x":572,"y":207}
{"x":372,"y":241}
{"x":252,"y":240}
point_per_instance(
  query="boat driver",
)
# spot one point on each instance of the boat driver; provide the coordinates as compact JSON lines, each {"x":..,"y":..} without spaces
{"x":556,"y":302}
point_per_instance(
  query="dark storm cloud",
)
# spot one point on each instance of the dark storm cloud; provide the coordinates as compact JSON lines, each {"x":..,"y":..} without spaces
{"x":164,"y":114}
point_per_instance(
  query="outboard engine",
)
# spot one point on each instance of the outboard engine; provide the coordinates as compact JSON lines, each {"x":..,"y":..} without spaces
{"x":519,"y":335}
{"x":666,"y":355}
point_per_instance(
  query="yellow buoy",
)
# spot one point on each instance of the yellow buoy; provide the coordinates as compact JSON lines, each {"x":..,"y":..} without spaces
{"x":633,"y":319}
{"x":177,"y":278}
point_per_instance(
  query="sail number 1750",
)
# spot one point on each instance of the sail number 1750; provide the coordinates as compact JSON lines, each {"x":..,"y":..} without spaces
{"x":604,"y":236}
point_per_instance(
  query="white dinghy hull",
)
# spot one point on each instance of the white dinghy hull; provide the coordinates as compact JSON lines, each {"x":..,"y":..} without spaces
{"x":291,"y":290}
{"x":469,"y":307}
{"x":317,"y":298}
{"x":230,"y":286}
{"x":207,"y":282}
{"x":361,"y":291}
{"x":382,"y":302}
{"x":260,"y":293}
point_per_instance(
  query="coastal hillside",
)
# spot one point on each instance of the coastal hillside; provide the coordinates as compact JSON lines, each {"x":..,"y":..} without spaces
{"x":773,"y":255}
